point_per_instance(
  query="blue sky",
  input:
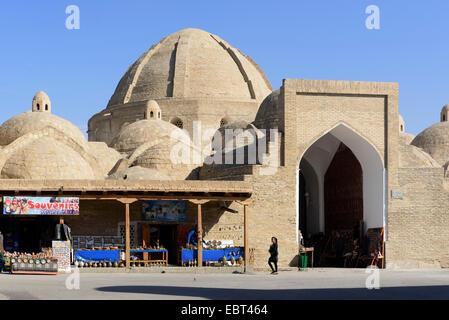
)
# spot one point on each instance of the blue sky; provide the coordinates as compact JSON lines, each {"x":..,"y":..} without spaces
{"x":80,"y":69}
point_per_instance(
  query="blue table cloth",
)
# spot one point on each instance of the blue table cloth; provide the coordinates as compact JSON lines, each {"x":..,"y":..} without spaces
{"x":97,"y":255}
{"x":101,"y":255}
{"x":212,"y":255}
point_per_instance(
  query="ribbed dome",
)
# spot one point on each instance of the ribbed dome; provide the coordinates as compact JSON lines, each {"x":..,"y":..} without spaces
{"x":145,"y":131}
{"x":27,"y":122}
{"x":46,"y":158}
{"x":192,"y":63}
{"x":435,"y":141}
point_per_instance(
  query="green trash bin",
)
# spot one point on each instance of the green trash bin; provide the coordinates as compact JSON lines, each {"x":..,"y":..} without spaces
{"x":303,"y":260}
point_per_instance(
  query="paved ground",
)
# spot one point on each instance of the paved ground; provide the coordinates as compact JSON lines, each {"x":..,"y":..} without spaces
{"x":316,"y":284}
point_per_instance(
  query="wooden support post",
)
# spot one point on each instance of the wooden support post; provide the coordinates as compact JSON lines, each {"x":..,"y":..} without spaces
{"x":127,"y":237}
{"x":200,"y":237}
{"x":245,"y":236}
{"x":199,"y":202}
{"x":127,"y":202}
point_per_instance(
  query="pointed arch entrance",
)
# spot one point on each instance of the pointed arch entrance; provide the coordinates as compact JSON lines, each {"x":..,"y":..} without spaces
{"x":341,"y":179}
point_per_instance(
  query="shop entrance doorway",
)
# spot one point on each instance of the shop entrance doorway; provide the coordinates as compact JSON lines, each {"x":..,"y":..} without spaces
{"x":170,"y":236}
{"x":27,"y":234}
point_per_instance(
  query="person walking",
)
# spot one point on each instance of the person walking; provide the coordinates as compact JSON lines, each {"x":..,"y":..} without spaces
{"x":273,"y":260}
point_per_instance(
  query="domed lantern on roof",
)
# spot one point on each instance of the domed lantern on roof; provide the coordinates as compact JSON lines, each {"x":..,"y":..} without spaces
{"x":153,"y":111}
{"x":444,"y":113}
{"x":41,"y":102}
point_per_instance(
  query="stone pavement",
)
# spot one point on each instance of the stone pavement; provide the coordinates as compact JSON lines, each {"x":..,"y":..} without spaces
{"x":312,"y":284}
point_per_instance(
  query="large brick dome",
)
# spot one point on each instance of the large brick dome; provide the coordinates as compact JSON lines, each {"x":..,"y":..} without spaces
{"x":191,"y":63}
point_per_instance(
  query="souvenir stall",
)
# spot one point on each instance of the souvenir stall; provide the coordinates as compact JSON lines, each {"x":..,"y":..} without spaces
{"x":149,"y":228}
{"x":183,"y":241}
{"x":212,"y":252}
{"x":35,"y":242}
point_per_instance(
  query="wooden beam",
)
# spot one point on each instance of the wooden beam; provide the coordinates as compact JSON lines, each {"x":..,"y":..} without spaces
{"x":245,"y":236}
{"x":131,"y":198}
{"x":127,"y":237}
{"x":200,"y":236}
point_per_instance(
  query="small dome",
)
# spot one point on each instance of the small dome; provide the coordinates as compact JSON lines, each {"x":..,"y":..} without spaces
{"x":138,"y":173}
{"x":41,"y":102}
{"x":192,"y":63}
{"x":145,"y":131}
{"x":177,"y":163}
{"x":406,"y":138}
{"x":28,"y":122}
{"x":152,"y":110}
{"x":46,"y":159}
{"x":267,"y":116}
{"x":413,"y":157}
{"x":435,"y":141}
{"x":106,"y":157}
{"x":242,"y":131}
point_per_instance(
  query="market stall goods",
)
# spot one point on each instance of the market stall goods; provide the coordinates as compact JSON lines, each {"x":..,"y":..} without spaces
{"x":41,"y":263}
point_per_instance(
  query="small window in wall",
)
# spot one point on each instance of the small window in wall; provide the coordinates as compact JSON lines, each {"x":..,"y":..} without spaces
{"x":178,"y":122}
{"x":38,"y":107}
{"x":402,"y":128}
{"x":46,"y":107}
{"x":158,"y":115}
{"x":151,"y":114}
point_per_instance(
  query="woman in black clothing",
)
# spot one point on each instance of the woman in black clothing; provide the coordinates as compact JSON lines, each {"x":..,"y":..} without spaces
{"x":273,"y":255}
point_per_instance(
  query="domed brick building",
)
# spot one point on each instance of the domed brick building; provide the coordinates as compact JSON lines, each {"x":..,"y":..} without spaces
{"x":309,"y":159}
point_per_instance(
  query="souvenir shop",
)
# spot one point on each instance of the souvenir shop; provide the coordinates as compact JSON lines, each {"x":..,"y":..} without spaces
{"x":113,"y":231}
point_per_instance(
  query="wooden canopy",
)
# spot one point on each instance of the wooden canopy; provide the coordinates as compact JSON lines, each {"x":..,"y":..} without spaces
{"x":139,"y":190}
{"x":127,"y":192}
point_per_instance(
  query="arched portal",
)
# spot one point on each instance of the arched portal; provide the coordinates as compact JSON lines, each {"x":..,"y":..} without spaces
{"x":323,"y":166}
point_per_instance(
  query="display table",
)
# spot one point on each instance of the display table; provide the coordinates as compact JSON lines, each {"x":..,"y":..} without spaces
{"x":97,"y":255}
{"x":212,"y":255}
{"x":146,"y":255}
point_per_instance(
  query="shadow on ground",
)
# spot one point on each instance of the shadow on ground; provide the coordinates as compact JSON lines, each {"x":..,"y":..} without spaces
{"x":388,"y":293}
